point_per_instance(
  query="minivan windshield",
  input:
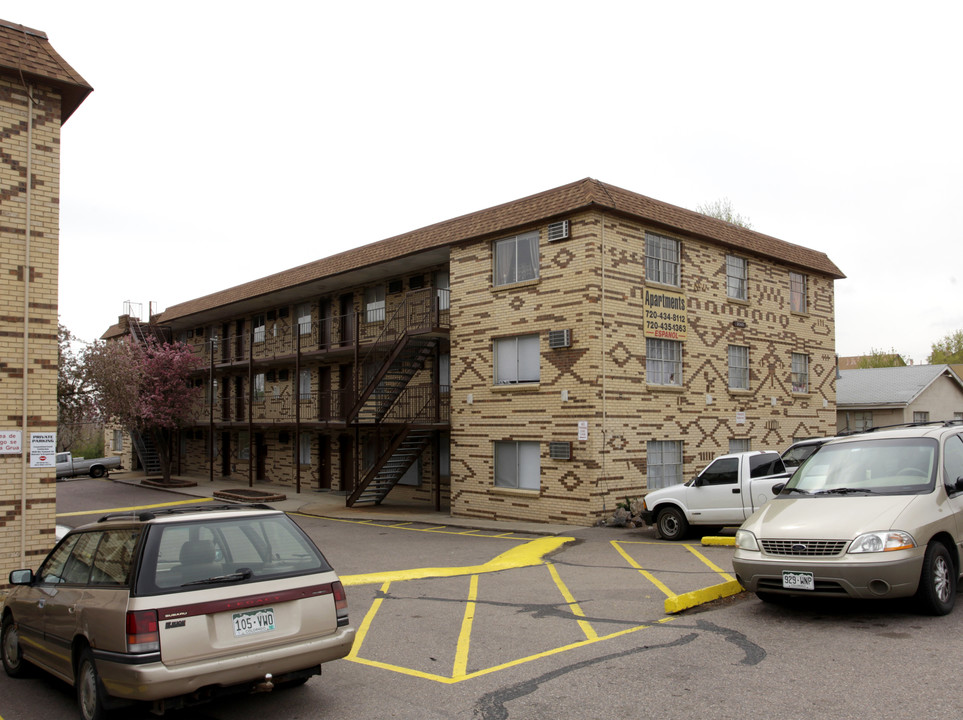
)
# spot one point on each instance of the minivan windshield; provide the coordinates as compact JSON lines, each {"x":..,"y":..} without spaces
{"x":877,"y":466}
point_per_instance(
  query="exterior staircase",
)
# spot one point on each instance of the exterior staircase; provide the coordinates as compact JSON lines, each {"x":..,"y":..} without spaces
{"x":147,"y":453}
{"x":404,"y":450}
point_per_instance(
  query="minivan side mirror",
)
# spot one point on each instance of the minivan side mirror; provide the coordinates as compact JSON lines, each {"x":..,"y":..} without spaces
{"x":21,"y":577}
{"x":955,"y":487}
{"x":777,"y":488}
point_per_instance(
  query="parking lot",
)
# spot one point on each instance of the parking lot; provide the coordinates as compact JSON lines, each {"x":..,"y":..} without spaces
{"x":457,"y":622}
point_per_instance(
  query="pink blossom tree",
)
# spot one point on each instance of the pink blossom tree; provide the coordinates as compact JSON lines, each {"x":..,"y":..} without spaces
{"x":146,"y":389}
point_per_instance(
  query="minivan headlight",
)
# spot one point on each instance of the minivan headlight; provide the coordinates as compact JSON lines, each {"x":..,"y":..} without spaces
{"x":745,"y":540}
{"x":886,"y":541}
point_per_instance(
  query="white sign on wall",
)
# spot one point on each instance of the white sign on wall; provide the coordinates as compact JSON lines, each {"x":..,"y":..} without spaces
{"x":43,"y":450}
{"x":11,"y":442}
{"x":583,"y":430}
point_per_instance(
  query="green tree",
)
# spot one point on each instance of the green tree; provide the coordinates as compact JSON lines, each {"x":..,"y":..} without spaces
{"x":947,"y":351}
{"x":722,"y":210}
{"x":881,"y":359}
{"x":77,"y":419}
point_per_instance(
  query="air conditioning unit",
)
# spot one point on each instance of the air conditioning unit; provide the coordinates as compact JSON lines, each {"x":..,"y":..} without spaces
{"x":558,"y":231}
{"x":560,"y":450}
{"x":559,"y":338}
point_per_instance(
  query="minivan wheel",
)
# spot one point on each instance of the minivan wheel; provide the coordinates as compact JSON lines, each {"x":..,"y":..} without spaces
{"x":13,"y":663}
{"x":672,"y":524}
{"x":90,"y":691}
{"x":936,"y":594}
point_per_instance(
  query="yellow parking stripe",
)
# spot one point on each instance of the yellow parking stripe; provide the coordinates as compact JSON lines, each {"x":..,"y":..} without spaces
{"x":525,"y":555}
{"x":195,"y":501}
{"x":366,"y":623}
{"x":570,"y":599}
{"x":647,"y":575}
{"x":464,"y":637}
{"x":715,"y":568}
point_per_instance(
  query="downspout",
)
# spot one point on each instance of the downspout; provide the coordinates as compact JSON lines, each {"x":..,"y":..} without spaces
{"x":26,"y":334}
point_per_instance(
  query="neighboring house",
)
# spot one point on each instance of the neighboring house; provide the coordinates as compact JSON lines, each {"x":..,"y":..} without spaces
{"x":853,"y":362}
{"x":877,"y":397}
{"x":38,"y":92}
{"x":538,"y":360}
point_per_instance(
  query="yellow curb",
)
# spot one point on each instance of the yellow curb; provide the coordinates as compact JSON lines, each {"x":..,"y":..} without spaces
{"x":527,"y":555}
{"x":678,"y":603}
{"x":716,"y":540}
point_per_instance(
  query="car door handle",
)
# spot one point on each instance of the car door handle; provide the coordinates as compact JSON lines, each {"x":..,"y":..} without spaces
{"x":735,"y":491}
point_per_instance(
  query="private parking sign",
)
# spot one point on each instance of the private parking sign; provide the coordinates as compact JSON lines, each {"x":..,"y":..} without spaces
{"x":43,"y":450}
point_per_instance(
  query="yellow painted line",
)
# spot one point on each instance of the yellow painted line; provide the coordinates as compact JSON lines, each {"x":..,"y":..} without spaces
{"x":464,"y":636}
{"x":570,"y":599}
{"x":440,"y":529}
{"x":504,"y":666}
{"x":715,"y":540}
{"x":526,"y":555}
{"x":366,"y":623}
{"x":711,"y":565}
{"x":195,"y":501}
{"x":648,"y":576}
{"x":677,"y":603}
{"x":400,"y":525}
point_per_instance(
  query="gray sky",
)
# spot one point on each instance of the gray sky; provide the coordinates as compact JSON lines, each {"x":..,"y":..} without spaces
{"x":225,"y":141}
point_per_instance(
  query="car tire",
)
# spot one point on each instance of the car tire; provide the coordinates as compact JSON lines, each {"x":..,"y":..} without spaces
{"x":936,"y":594}
{"x":97,"y":471}
{"x":90,"y":691}
{"x":13,"y":663}
{"x":671,"y":524}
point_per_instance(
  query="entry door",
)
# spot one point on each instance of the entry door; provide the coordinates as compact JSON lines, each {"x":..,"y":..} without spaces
{"x":346,"y":462}
{"x":225,"y":454}
{"x":324,"y":394}
{"x":324,"y":458}
{"x":260,"y":449}
{"x":718,"y":493}
{"x":346,"y":319}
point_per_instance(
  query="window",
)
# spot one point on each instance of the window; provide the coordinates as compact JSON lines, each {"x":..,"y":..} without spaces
{"x":661,"y":259}
{"x":724,"y":471}
{"x":518,"y":465}
{"x":800,"y":373}
{"x":259,"y":326}
{"x":664,"y":463}
{"x":797,"y":292}
{"x":738,"y":367}
{"x":303,"y":312}
{"x":444,"y":374}
{"x":517,"y":360}
{"x":259,"y":387}
{"x":244,"y":445}
{"x":862,"y":421}
{"x":737,"y":445}
{"x":663,"y":362}
{"x":118,"y":440}
{"x":921,"y":417}
{"x":442,"y":285}
{"x":304,"y":450}
{"x":736,"y":276}
{"x":304,"y":385}
{"x":953,"y":459}
{"x":516,"y":259}
{"x":374,"y":299}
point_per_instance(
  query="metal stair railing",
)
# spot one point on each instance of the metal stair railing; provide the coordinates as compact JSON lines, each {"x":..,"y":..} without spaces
{"x":147,"y":453}
{"x":407,"y":446}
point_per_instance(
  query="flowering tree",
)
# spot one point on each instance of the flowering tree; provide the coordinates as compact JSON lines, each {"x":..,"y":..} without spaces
{"x":76,"y":411}
{"x":145,"y":388}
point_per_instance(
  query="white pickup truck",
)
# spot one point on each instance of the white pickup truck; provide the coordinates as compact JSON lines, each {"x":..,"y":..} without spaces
{"x":68,"y":465}
{"x":728,"y":491}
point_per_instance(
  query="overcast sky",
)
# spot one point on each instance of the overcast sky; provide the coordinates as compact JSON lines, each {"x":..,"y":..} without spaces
{"x":225,"y":141}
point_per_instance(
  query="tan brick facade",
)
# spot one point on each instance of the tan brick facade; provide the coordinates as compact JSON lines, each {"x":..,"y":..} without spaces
{"x":632,"y":391}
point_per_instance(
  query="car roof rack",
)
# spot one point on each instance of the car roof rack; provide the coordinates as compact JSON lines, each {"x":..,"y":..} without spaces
{"x":146,"y":515}
{"x":935,"y":423}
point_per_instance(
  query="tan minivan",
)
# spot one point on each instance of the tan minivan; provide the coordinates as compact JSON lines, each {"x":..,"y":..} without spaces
{"x":175,"y":607}
{"x":874,"y":515}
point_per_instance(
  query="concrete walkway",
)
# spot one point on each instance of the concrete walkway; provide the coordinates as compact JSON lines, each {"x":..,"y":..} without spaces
{"x":321,"y":503}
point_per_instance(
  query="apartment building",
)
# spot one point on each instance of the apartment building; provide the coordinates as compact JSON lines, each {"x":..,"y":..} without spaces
{"x":539,"y":360}
{"x":39,"y":91}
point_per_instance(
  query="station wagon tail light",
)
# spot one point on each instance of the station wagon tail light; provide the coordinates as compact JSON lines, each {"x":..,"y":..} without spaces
{"x":886,"y":541}
{"x":142,"y":634}
{"x":340,"y":602}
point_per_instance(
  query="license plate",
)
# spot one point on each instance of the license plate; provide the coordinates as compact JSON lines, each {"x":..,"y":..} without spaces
{"x":797,"y":580}
{"x":253,"y":622}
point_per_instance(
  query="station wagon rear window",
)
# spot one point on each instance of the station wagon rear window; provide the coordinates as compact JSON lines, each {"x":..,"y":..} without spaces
{"x":188,"y":556}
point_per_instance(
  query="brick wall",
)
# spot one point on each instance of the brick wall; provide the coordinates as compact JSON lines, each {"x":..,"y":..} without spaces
{"x":593,"y":284}
{"x":40,"y":373}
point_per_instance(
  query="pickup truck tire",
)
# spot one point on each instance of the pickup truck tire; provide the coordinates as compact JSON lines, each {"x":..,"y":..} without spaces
{"x":671,"y":524}
{"x":936,"y":594}
{"x":97,"y":471}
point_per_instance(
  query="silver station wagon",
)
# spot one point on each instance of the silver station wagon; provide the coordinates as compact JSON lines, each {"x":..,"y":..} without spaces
{"x":875,"y":515}
{"x":177,"y":607}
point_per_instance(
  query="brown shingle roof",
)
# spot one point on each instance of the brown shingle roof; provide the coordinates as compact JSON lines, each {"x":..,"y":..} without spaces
{"x":503,"y":218}
{"x":27,"y":55}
